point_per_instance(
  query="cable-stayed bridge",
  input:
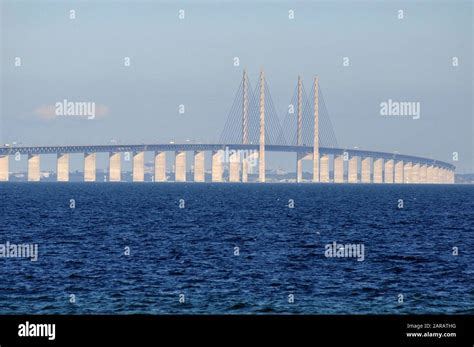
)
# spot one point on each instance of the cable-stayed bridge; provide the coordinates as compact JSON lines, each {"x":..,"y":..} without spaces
{"x":252,"y":128}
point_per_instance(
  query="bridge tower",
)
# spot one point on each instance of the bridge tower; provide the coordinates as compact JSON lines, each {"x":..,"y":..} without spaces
{"x":245,"y":124}
{"x":261,"y":153}
{"x":299,"y":132}
{"x":245,"y":110}
{"x":316,"y":132}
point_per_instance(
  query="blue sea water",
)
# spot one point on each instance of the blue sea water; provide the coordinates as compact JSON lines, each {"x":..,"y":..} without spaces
{"x":191,"y":250}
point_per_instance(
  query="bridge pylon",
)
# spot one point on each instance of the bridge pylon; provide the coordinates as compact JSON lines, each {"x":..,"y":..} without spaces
{"x":299,"y":130}
{"x":261,"y":152}
{"x":316,"y":132}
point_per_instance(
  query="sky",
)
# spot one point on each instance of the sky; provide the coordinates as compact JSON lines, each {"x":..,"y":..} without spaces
{"x":190,"y":61}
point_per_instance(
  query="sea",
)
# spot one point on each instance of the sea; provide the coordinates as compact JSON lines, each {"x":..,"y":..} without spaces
{"x":191,"y":248}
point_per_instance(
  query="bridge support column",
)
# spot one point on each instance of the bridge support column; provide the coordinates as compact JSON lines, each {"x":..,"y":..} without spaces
{"x":3,"y":168}
{"x":407,"y":176}
{"x":378,"y":167}
{"x":245,"y":170}
{"x":452,"y":177}
{"x":316,"y":171}
{"x":248,"y":164}
{"x":430,"y":174}
{"x":234,"y":167}
{"x":442,"y":174}
{"x":338,"y":169}
{"x":89,"y":167}
{"x":388,"y":171}
{"x":399,"y":172}
{"x":324,"y":169}
{"x":217,"y":166}
{"x":352,"y":170}
{"x":423,"y":173}
{"x":180,"y":166}
{"x":415,"y":173}
{"x":115,"y":166}
{"x":199,"y":157}
{"x":365,"y":170}
{"x":62,"y":167}
{"x":33,"y":167}
{"x":138,"y":167}
{"x":299,"y":167}
{"x":438,"y":175}
{"x":160,"y":167}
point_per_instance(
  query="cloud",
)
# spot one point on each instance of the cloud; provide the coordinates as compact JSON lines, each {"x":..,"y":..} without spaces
{"x":45,"y":112}
{"x":48,"y":112}
{"x":101,"y":110}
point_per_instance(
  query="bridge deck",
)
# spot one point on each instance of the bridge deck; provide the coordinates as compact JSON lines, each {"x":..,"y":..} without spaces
{"x":216,"y":147}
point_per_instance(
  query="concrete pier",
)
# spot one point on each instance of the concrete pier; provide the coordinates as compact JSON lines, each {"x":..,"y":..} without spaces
{"x":378,"y":168}
{"x":448,"y":176}
{"x":415,"y":173}
{"x":199,"y":157}
{"x":299,"y":167}
{"x":436,"y":178}
{"x":437,"y":174}
{"x":316,"y":132}
{"x":352,"y":175}
{"x":365,"y":170}
{"x":440,"y":175}
{"x":234,"y":167}
{"x":33,"y":167}
{"x":62,"y":167}
{"x":399,"y":172}
{"x":338,"y":169}
{"x":180,"y":166}
{"x":245,"y":170}
{"x":261,"y":151}
{"x":388,"y":171}
{"x":115,"y":167}
{"x":430,"y":174}
{"x":424,"y":173}
{"x":3,"y":168}
{"x":407,"y":175}
{"x":89,"y":167}
{"x":160,"y":167}
{"x":324,"y":169}
{"x":138,"y":167}
{"x":217,"y":166}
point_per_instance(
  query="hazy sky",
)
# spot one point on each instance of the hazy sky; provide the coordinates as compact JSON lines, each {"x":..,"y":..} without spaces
{"x":190,"y":61}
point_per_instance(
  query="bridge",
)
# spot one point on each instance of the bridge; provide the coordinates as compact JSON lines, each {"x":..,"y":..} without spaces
{"x":252,"y":129}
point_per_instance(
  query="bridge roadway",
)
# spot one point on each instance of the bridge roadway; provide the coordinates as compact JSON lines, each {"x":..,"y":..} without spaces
{"x":374,"y":167}
{"x":216,"y":147}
